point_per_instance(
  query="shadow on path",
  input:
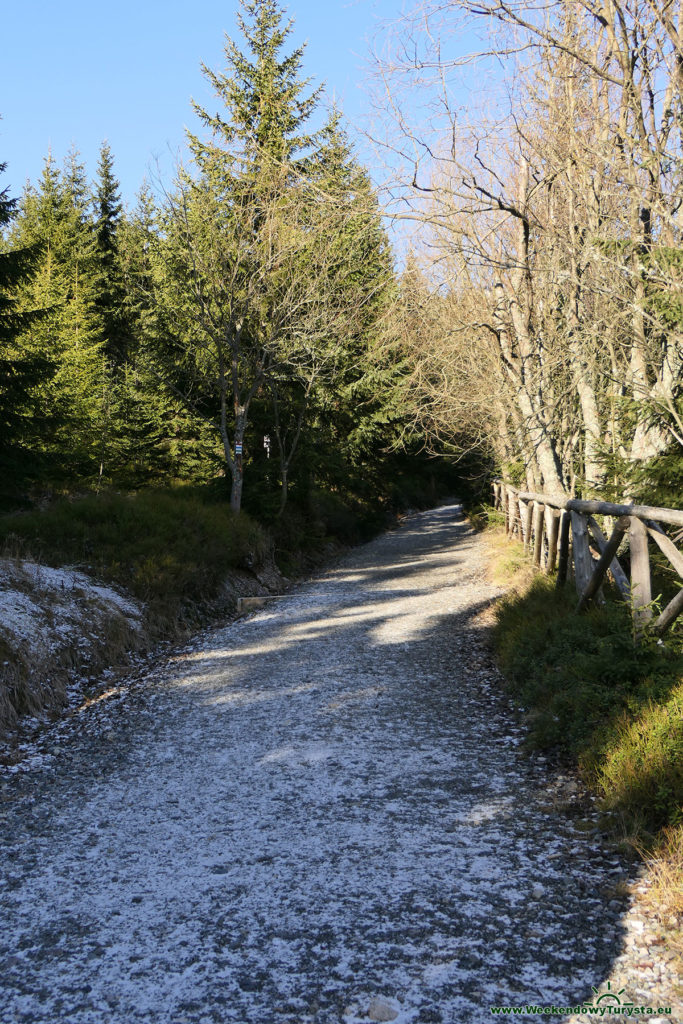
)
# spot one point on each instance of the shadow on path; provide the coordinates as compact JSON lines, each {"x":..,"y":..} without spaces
{"x":320,"y":805}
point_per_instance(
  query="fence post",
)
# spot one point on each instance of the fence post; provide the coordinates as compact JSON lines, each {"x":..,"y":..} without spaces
{"x":525,"y":512}
{"x":552,"y":527}
{"x":583,"y":560}
{"x":608,"y":552}
{"x":564,"y":548}
{"x":512,"y":511}
{"x":528,"y":523}
{"x":538,"y":531}
{"x":641,"y":588}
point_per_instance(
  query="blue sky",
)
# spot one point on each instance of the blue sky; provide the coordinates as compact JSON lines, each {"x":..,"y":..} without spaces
{"x":78,"y":72}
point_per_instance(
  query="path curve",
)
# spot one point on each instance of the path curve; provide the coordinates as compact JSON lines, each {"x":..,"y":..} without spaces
{"x":314,"y":813}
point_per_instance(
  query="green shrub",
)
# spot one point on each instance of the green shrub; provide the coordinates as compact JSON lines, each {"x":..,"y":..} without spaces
{"x":171,"y":548}
{"x":642,"y":770}
{"x":483,"y":516}
{"x":597,"y":698}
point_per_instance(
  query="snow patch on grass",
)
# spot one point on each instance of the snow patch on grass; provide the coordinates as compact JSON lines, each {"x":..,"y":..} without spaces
{"x":42,"y":608}
{"x":53,"y":623}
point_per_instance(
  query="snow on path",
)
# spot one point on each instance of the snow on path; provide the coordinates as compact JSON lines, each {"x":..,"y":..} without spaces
{"x":315,"y":807}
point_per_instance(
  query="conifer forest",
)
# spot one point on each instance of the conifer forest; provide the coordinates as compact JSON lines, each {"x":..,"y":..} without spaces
{"x":228,"y":328}
{"x":254,"y":320}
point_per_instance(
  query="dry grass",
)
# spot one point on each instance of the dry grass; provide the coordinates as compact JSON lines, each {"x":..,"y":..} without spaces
{"x":663,"y":899}
{"x":509,"y":565}
{"x":15,"y":689}
{"x":31,"y":684}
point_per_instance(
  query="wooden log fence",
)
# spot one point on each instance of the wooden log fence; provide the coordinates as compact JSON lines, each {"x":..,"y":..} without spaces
{"x":562,"y":531}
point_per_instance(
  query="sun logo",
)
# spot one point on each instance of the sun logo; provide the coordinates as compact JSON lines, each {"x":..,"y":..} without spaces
{"x":609,"y":997}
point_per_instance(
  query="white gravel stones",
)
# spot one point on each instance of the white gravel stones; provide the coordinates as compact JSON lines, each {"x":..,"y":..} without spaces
{"x":317,"y":807}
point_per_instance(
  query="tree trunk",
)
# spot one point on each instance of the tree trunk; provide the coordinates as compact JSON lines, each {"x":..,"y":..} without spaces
{"x":236,"y":489}
{"x":285,"y":486}
{"x":235,"y":464}
{"x":541,"y":444}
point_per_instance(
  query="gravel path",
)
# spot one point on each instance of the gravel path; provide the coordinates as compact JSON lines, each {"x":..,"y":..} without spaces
{"x":317,"y":814}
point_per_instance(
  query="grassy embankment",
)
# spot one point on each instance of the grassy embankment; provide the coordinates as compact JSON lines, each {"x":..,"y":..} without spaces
{"x":171,"y":550}
{"x":602,"y":701}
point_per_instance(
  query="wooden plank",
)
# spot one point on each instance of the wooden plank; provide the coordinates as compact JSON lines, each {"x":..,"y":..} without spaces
{"x":583,"y":560}
{"x":606,"y":508}
{"x":620,"y":577}
{"x":555,"y":500}
{"x":250,"y":604}
{"x":552,"y":527}
{"x":604,"y":562}
{"x":670,"y":613}
{"x":666,"y":545}
{"x":564,"y":549}
{"x":538,"y":532}
{"x":641,"y":588}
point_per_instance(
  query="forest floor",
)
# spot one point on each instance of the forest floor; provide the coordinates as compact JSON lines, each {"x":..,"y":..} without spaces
{"x":320,"y":813}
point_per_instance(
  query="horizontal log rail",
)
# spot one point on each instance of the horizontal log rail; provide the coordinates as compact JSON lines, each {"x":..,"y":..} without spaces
{"x":562,"y":531}
{"x":605,"y":508}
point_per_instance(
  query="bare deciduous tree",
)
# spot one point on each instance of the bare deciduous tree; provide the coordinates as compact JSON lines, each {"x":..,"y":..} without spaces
{"x":550,"y":206}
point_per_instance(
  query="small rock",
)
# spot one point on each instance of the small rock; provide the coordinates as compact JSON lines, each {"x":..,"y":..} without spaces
{"x":537,"y":891}
{"x":380,"y":1009}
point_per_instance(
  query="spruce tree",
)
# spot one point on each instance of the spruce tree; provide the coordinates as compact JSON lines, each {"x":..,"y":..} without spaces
{"x":56,"y":217}
{"x":228,"y":256}
{"x":137,"y":237}
{"x":24,"y":376}
{"x":355,"y":414}
{"x":110,"y":290}
{"x":158,"y":437}
{"x":266,"y":101}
